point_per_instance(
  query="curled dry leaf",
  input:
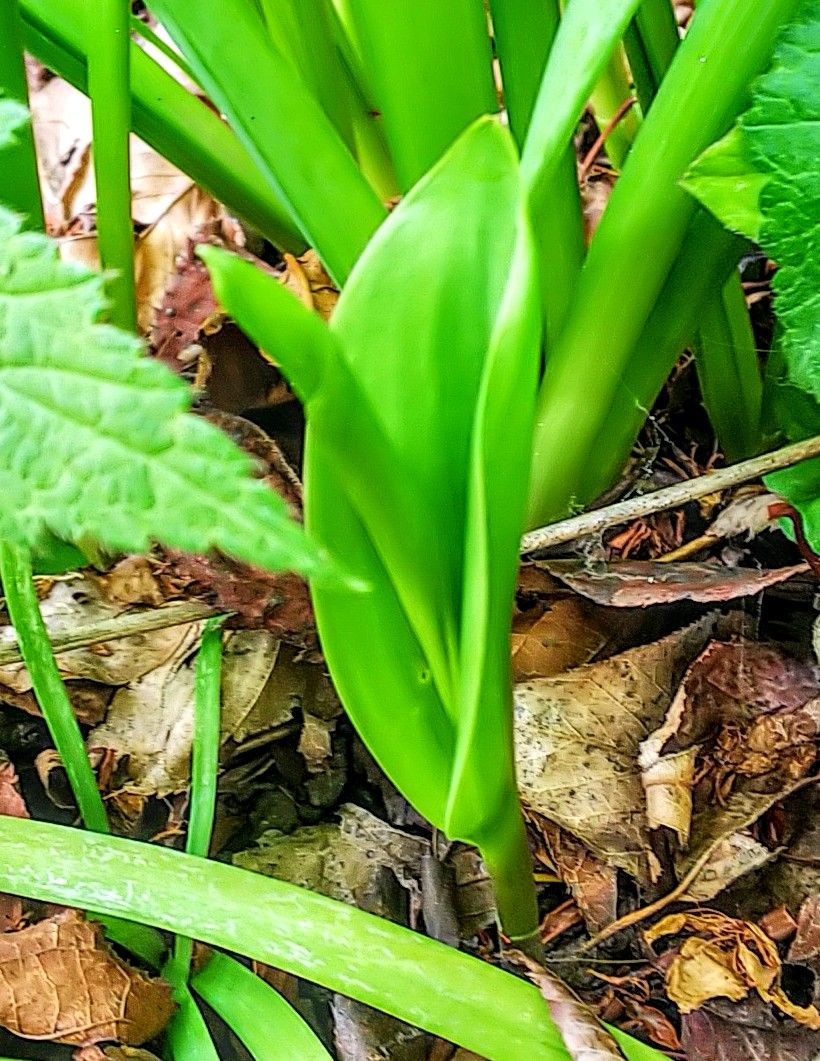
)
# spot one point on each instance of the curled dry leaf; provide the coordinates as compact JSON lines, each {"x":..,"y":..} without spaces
{"x":584,"y":1036}
{"x":60,"y":981}
{"x":805,"y":946}
{"x":577,"y":740}
{"x":745,"y":516}
{"x":642,"y":583}
{"x":728,"y":958}
{"x":307,"y":279}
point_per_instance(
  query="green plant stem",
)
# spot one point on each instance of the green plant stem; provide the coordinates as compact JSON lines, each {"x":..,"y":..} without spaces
{"x":728,"y":372}
{"x":509,"y":863}
{"x":150,"y":36}
{"x":524,"y":31}
{"x":24,"y":611}
{"x":727,"y":45}
{"x":725,"y":354}
{"x":176,"y":124}
{"x":429,"y":71}
{"x":109,"y":86}
{"x":20,"y":187}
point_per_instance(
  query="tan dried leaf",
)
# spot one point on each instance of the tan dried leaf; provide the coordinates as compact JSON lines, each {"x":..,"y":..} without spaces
{"x":577,"y":740}
{"x":60,"y":981}
{"x":584,"y":1036}
{"x":728,"y":958}
{"x":306,"y":278}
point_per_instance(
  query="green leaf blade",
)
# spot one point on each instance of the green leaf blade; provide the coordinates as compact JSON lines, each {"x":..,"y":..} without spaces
{"x":97,"y":441}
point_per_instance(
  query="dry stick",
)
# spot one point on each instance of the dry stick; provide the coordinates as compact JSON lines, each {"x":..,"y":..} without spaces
{"x":592,"y":154}
{"x":119,"y":626}
{"x":670,"y":497}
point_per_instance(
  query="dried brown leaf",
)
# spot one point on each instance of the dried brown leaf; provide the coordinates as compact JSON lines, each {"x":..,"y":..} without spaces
{"x":806,"y":943}
{"x":728,"y":958}
{"x":584,"y":1036}
{"x":59,"y":981}
{"x":642,"y":583}
{"x":577,"y":741}
{"x":546,"y":643}
{"x":593,"y":883}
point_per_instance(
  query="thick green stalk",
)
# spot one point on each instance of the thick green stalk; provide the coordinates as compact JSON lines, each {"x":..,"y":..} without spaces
{"x":19,"y":186}
{"x":35,"y":648}
{"x":524,"y":31}
{"x":707,"y":261}
{"x":507,"y":856}
{"x":429,"y":73}
{"x":726,"y":357}
{"x":303,"y":33}
{"x":727,"y":45}
{"x":176,"y":124}
{"x":109,"y":86}
{"x":728,"y":371}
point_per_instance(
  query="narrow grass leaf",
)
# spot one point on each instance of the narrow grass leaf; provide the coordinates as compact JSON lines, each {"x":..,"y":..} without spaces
{"x":342,"y":948}
{"x":175,"y":123}
{"x":269,"y":1027}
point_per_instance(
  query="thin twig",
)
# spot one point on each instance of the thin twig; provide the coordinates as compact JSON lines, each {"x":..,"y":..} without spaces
{"x":119,"y":626}
{"x":670,"y":497}
{"x":604,"y":135}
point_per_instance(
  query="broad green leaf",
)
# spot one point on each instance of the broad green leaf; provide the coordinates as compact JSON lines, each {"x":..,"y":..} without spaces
{"x":338,"y":946}
{"x":268,"y":1026}
{"x":725,"y":181}
{"x":166,"y":115}
{"x":97,"y":442}
{"x":782,"y":131}
{"x":281,"y":124}
{"x":187,"y":1034}
{"x":428,"y":67}
{"x":13,"y":117}
{"x":523,"y":31}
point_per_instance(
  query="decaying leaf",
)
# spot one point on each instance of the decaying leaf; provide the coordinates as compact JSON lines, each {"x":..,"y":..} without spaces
{"x":13,"y":805}
{"x":577,"y":741}
{"x":363,"y":1034}
{"x":584,"y":1036}
{"x":727,"y":958}
{"x":709,"y":1037}
{"x":151,"y":720}
{"x":805,"y":946}
{"x":307,"y":279}
{"x":549,"y":642}
{"x":593,"y":883}
{"x":60,"y":981}
{"x":642,"y":583}
{"x":80,"y":601}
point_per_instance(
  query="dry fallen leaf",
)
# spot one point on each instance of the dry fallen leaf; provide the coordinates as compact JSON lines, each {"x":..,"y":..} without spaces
{"x":60,"y":981}
{"x":584,"y":1036}
{"x":728,"y":958}
{"x":642,"y":583}
{"x":593,"y":883}
{"x":709,"y":1037}
{"x":549,"y":642}
{"x":577,"y":741}
{"x":307,"y":279}
{"x":13,"y":805}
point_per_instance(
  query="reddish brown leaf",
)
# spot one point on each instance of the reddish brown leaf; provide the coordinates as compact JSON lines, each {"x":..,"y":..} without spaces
{"x":546,"y":642}
{"x":806,"y":944}
{"x":778,"y":924}
{"x":707,"y":1037}
{"x":593,"y":883}
{"x":60,"y":981}
{"x":641,"y":583}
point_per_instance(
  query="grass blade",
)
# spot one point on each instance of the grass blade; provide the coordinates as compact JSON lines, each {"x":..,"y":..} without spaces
{"x":699,"y":100}
{"x":175,"y":123}
{"x":109,"y":86}
{"x":269,"y":1027}
{"x":24,"y":611}
{"x":281,"y":124}
{"x":429,"y":72}
{"x":338,"y":946}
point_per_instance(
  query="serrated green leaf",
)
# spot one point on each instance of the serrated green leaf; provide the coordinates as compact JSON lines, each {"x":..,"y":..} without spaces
{"x":725,"y":181}
{"x":97,"y":442}
{"x":782,"y":130}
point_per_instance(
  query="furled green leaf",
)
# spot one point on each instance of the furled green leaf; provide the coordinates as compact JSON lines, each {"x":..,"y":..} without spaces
{"x":725,"y":180}
{"x":280,"y":123}
{"x":96,"y":442}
